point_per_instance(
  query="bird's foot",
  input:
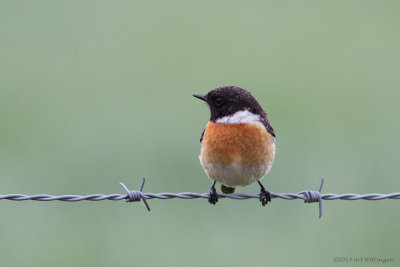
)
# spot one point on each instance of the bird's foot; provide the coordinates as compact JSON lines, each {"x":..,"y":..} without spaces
{"x":213,"y":197}
{"x":265,"y":196}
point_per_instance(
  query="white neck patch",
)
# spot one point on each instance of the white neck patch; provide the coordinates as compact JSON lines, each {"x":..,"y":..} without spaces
{"x":243,"y":116}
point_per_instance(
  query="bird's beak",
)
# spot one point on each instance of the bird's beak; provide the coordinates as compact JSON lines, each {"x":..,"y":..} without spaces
{"x":201,"y":96}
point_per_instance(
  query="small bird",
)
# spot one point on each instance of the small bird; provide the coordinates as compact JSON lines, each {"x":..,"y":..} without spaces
{"x":238,"y":143}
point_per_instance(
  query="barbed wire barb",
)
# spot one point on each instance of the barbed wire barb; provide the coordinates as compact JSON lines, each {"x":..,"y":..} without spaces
{"x":308,"y":196}
{"x":314,"y":196}
{"x":133,"y":196}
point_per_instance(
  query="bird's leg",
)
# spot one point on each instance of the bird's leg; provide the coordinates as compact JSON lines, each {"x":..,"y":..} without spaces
{"x":265,"y":196}
{"x":213,"y":197}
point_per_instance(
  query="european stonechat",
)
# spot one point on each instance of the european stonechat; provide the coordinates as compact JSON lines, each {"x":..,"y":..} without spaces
{"x":238,"y":143}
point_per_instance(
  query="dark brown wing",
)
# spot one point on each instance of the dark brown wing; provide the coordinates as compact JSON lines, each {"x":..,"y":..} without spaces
{"x":202,"y":135}
{"x":269,"y":127}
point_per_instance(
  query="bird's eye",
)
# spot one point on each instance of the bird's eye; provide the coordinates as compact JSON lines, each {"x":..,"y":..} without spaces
{"x":218,"y":102}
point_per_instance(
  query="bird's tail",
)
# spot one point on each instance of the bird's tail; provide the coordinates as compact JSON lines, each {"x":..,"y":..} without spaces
{"x":227,"y":190}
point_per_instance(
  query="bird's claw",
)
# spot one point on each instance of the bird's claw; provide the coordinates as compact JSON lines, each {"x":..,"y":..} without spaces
{"x":265,"y":196}
{"x":213,"y":197}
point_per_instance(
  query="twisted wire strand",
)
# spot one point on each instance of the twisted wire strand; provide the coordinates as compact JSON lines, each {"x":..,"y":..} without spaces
{"x":191,"y":195}
{"x":138,"y":195}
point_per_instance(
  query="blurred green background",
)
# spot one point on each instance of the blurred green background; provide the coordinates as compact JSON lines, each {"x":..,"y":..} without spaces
{"x":97,"y":92}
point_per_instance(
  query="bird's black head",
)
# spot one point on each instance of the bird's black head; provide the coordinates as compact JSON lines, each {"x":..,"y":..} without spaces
{"x":227,"y":100}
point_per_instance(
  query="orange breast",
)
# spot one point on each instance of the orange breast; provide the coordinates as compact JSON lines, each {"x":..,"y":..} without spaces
{"x":250,"y":144}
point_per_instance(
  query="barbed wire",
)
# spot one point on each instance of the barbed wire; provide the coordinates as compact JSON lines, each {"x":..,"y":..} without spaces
{"x":308,"y":196}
